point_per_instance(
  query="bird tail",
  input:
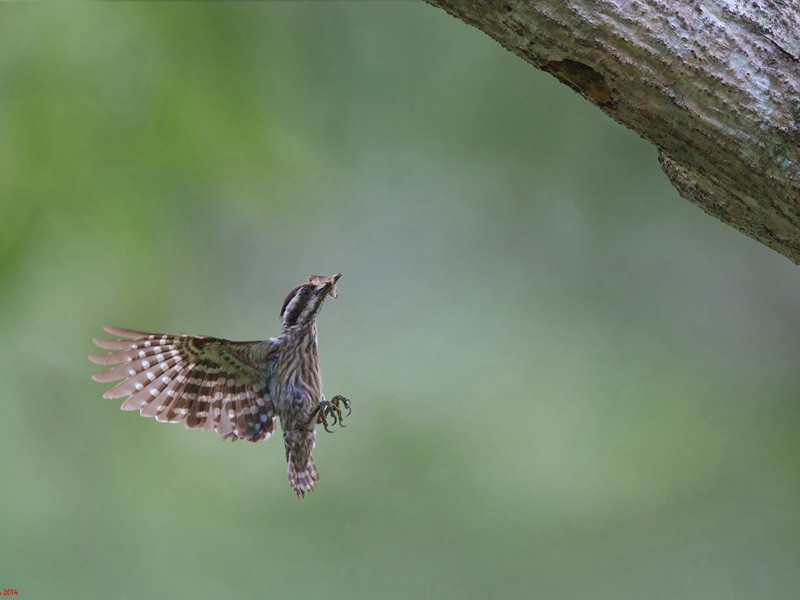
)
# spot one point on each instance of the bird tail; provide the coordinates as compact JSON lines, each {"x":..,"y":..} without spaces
{"x":302,"y":479}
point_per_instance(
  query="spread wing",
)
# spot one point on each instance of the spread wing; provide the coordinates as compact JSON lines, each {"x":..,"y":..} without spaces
{"x":203,"y":382}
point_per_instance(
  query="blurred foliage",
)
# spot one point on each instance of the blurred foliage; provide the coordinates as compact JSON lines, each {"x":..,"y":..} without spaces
{"x":567,"y":381}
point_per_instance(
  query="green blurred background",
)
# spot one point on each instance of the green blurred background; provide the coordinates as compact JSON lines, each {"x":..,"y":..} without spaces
{"x":568,"y":382}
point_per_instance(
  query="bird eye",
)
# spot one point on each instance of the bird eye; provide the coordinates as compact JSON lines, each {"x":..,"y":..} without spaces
{"x":305,"y":291}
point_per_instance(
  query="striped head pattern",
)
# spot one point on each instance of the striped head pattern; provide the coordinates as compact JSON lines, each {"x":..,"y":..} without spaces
{"x":305,"y":301}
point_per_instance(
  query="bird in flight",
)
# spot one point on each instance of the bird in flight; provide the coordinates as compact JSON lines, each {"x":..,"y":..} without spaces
{"x":238,"y":389}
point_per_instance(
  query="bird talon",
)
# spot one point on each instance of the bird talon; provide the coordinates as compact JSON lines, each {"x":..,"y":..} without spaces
{"x":336,"y":400}
{"x":346,"y":401}
{"x":329,"y":409}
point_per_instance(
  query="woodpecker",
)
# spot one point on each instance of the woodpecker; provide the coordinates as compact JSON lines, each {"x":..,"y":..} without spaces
{"x":238,"y":389}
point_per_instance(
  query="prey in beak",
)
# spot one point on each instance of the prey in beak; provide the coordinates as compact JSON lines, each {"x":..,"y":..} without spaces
{"x":326,"y":284}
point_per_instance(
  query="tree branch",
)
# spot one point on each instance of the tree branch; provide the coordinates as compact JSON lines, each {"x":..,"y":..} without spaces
{"x":715,"y":85}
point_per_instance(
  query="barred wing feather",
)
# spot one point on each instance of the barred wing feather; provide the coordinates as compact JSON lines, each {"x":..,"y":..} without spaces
{"x":203,"y":382}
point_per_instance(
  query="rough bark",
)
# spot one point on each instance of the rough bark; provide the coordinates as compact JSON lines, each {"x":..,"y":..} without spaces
{"x":714,"y":84}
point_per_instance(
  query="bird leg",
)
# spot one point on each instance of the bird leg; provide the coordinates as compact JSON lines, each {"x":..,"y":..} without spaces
{"x":330,"y":409}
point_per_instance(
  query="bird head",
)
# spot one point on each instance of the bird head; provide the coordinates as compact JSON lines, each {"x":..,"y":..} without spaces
{"x":305,"y":301}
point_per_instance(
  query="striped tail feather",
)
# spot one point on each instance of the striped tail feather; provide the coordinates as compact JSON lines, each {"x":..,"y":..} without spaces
{"x":303,"y":479}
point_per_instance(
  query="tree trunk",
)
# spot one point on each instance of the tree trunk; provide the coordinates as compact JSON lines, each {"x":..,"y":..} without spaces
{"x":714,"y":84}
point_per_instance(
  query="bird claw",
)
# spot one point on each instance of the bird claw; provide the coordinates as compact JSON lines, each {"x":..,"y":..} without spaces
{"x":330,"y":409}
{"x":336,"y":400}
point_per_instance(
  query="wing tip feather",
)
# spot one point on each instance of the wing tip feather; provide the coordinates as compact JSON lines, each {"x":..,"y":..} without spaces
{"x":130,"y":334}
{"x":99,"y":359}
{"x":108,"y":376}
{"x":113,"y":344}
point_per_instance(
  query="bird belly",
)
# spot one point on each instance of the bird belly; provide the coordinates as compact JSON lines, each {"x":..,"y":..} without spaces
{"x":298,"y":388}
{"x":294,"y":406}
